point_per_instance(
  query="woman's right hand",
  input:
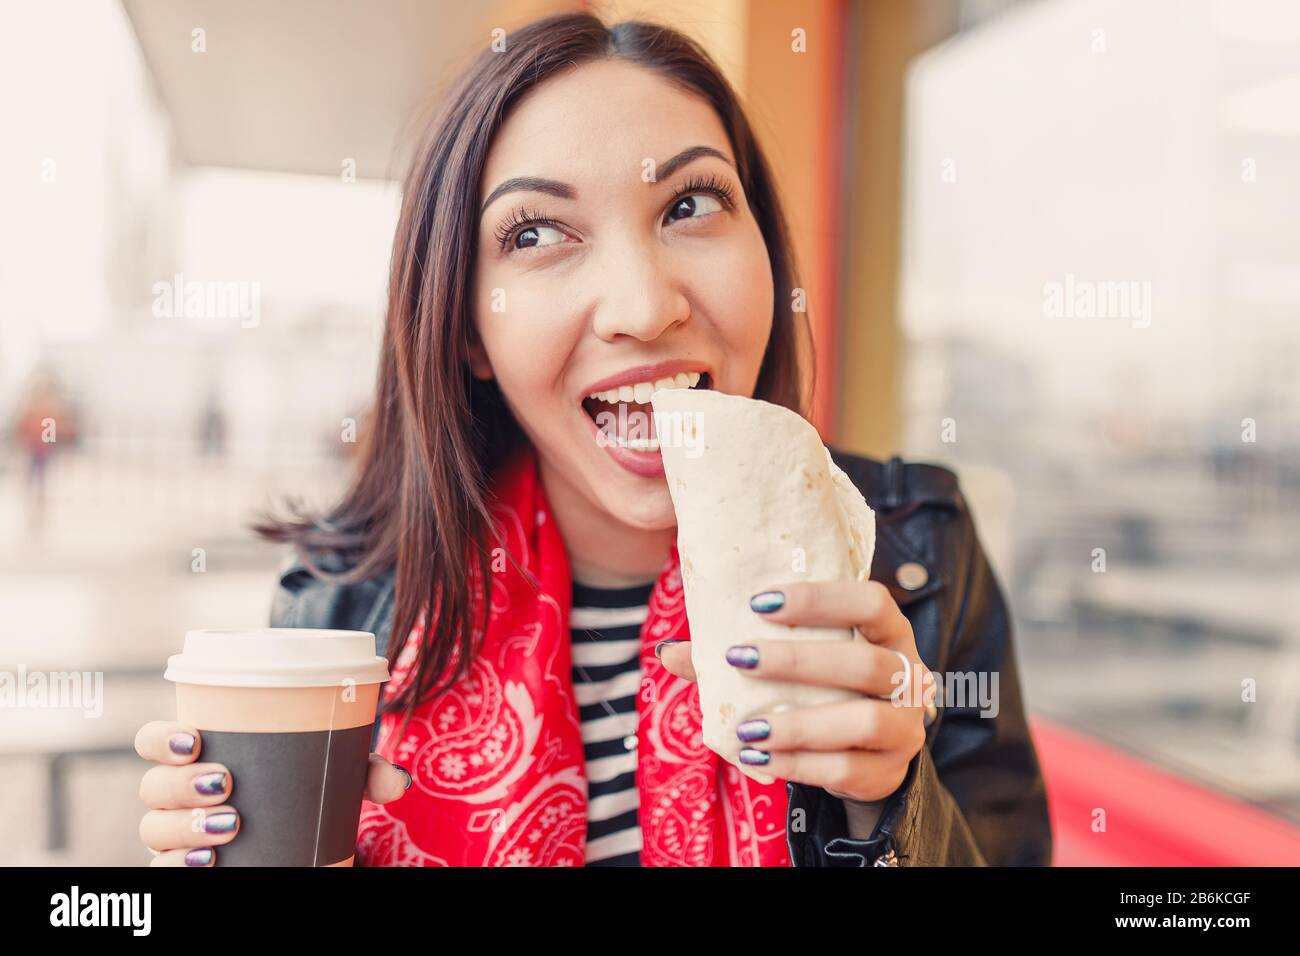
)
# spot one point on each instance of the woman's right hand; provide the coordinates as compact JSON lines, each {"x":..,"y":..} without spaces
{"x":189,"y":813}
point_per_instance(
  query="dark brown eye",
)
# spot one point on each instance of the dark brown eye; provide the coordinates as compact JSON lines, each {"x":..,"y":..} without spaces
{"x":685,"y":206}
{"x":532,"y":237}
{"x":694,"y":206}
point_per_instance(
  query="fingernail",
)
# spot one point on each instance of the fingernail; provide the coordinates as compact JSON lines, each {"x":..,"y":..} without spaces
{"x":662,"y":644}
{"x":742,"y":655}
{"x":765,"y":602}
{"x":751,"y":756}
{"x":754,"y":730}
{"x":199,"y":856}
{"x":220,"y":822}
{"x":408,"y":776}
{"x":209,"y":784}
{"x":182,"y":744}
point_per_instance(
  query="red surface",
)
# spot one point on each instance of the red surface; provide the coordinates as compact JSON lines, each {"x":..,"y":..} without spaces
{"x":1153,"y":817}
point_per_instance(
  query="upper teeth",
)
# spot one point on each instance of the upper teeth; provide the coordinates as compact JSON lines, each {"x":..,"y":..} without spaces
{"x":641,"y":391}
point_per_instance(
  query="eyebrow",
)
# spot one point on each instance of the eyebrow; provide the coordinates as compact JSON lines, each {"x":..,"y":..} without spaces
{"x":553,"y":187}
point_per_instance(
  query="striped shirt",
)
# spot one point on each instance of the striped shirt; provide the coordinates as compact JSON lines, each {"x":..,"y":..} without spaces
{"x":605,"y":628}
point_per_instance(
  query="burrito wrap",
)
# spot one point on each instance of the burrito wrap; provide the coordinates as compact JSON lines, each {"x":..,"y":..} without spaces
{"x":759,"y":502}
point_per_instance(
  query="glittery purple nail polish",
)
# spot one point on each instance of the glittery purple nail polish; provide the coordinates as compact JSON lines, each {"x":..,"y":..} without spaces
{"x":182,"y":744}
{"x":210,"y":784}
{"x":659,"y":648}
{"x":750,"y":730}
{"x":220,"y":822}
{"x":765,"y":602}
{"x":742,"y":655}
{"x":751,"y":756}
{"x":199,"y":856}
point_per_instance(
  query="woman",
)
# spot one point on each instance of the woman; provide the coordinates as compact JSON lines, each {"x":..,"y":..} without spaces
{"x":589,"y":218}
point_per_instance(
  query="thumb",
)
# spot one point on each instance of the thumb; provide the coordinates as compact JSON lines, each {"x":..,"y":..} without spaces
{"x":385,"y":781}
{"x":676,"y":658}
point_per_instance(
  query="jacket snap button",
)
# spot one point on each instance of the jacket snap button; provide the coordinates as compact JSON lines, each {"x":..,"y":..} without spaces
{"x":911,"y":576}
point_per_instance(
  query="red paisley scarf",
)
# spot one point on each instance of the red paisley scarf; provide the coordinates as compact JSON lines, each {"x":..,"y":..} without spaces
{"x":497,"y":762}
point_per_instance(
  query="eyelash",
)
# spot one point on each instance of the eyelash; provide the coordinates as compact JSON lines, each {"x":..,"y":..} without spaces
{"x":522,"y":219}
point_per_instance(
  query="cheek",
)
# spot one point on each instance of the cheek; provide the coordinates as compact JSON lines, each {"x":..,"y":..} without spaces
{"x":528,"y":342}
{"x":734,"y":285}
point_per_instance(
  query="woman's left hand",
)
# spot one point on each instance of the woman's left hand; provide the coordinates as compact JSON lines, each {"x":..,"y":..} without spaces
{"x":858,"y":749}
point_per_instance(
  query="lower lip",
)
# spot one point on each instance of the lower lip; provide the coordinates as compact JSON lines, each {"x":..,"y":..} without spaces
{"x":647,"y":464}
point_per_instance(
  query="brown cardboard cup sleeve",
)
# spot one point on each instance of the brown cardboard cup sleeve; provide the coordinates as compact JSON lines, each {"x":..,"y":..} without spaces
{"x":290,"y":711}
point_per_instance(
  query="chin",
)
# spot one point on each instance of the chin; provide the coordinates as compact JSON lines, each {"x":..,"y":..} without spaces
{"x":647,"y":511}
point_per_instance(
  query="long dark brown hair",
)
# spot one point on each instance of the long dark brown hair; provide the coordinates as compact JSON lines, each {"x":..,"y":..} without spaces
{"x":418,"y":503}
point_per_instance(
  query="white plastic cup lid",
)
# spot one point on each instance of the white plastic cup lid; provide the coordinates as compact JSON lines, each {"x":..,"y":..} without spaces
{"x":277,"y":657}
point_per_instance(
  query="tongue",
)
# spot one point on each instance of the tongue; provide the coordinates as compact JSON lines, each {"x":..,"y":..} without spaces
{"x":626,"y":420}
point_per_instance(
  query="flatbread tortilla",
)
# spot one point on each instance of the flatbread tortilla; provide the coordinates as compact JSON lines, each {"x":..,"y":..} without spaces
{"x":759,"y":502}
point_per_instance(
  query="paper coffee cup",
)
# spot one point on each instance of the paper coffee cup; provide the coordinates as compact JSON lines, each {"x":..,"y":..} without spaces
{"x":291,"y":712}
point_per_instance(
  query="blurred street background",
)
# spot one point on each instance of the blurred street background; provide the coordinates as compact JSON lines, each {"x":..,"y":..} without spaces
{"x":1052,"y":244}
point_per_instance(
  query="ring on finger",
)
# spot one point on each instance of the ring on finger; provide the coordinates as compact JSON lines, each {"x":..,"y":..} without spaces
{"x":931,"y":711}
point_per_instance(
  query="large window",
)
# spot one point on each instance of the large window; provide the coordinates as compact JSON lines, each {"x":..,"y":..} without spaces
{"x":1100,"y":292}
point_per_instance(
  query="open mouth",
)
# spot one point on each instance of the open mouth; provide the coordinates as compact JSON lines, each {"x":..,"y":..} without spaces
{"x":624,"y":415}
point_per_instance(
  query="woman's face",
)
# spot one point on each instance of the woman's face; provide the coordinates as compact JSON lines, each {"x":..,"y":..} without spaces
{"x":630,"y":264}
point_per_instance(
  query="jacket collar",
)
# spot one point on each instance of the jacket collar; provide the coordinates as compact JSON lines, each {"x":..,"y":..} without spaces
{"x":896,"y":490}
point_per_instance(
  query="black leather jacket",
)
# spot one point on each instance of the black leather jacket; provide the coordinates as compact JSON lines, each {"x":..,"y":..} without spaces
{"x":974,"y":794}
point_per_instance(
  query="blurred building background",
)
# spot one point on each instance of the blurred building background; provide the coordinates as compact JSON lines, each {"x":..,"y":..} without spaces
{"x":954,"y":170}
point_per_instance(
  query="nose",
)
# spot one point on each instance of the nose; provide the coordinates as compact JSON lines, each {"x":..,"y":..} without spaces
{"x":639,"y":294}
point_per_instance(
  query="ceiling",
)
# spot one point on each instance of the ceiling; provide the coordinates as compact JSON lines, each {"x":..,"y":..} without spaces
{"x":302,"y":85}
